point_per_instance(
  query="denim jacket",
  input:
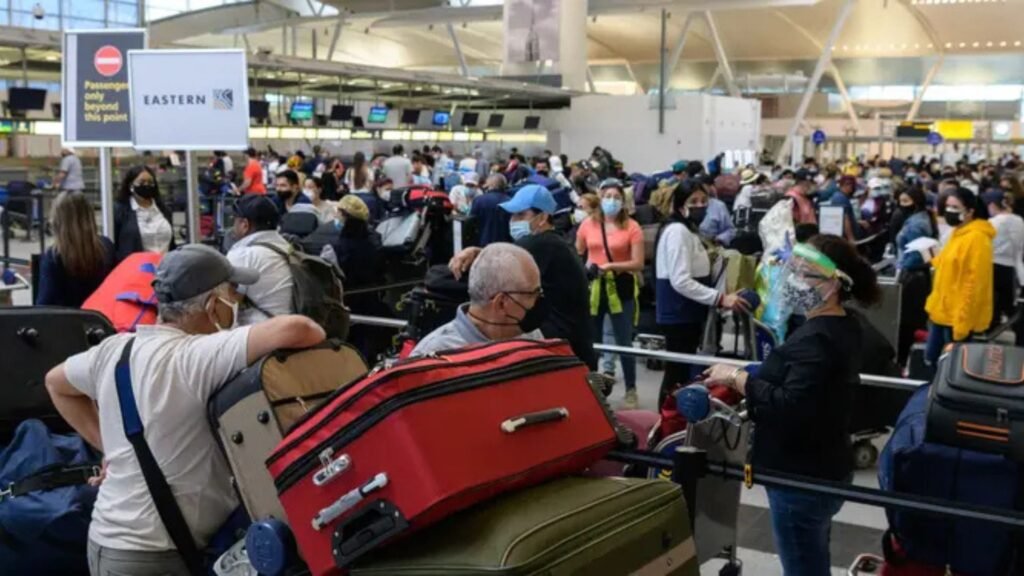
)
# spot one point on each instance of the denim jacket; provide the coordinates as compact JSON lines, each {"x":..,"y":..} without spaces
{"x":919,"y":225}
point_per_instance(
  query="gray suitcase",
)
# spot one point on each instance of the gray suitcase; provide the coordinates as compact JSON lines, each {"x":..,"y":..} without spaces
{"x":253,"y":411}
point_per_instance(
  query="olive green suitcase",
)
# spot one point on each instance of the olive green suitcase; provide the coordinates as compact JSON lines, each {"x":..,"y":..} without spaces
{"x":606,"y":526}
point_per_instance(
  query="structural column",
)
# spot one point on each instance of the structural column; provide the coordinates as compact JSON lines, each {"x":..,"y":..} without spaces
{"x":572,"y":48}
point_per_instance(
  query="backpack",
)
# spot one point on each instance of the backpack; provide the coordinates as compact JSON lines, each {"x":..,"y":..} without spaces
{"x":126,"y":296}
{"x":317,"y":290}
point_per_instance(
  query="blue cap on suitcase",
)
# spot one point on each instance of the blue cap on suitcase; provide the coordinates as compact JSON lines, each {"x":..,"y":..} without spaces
{"x":270,"y":546}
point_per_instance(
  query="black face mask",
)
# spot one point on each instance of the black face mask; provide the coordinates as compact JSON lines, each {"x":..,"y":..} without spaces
{"x":906,"y":211}
{"x":534,"y":317}
{"x":285,"y":194}
{"x":145,"y":191}
{"x":953,"y":218}
{"x":697,"y":215}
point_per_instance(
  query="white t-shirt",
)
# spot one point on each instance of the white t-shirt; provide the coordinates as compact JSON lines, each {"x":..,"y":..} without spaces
{"x":273,"y":291}
{"x":173,"y":376}
{"x":1008,"y":245}
{"x":350,"y":180}
{"x":155,"y":230}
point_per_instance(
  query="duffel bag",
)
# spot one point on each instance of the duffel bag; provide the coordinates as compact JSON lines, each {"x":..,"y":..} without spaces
{"x":46,"y":503}
{"x":400,"y":232}
{"x":408,"y":446}
{"x":977,"y":400}
{"x":252,"y":412}
{"x":909,"y":464}
{"x":126,"y":296}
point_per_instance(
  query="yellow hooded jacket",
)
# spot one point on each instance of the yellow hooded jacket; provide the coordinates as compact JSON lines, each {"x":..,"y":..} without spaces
{"x":961,"y":295}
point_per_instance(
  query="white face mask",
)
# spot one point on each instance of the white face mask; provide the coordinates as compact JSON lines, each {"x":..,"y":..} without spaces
{"x":307,"y":193}
{"x":234,"y":315}
{"x":384,"y":195}
{"x":579,"y":215}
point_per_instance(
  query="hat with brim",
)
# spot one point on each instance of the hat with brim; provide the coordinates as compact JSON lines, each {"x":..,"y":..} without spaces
{"x":748,"y":176}
{"x":531,"y":197}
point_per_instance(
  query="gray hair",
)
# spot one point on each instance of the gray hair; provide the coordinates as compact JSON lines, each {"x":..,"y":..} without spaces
{"x":176,"y":312}
{"x":496,"y":182}
{"x":500,"y":267}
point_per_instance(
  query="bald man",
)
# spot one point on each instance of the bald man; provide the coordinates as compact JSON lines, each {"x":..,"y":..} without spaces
{"x":505,"y":301}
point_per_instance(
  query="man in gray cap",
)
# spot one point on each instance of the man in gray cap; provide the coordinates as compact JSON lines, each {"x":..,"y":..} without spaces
{"x":255,"y":232}
{"x":175,"y":367}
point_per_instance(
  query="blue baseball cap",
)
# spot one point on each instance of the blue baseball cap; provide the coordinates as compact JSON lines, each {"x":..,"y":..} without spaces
{"x":531,"y":197}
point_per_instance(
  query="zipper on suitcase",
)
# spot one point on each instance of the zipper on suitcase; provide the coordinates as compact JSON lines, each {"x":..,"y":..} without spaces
{"x":304,"y":465}
{"x":278,"y":453}
{"x":995,"y":412}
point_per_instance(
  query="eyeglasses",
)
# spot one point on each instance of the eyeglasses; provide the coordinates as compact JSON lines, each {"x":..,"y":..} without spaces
{"x":539,"y":292}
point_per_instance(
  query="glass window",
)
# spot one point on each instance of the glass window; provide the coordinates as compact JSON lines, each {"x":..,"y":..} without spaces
{"x":26,"y":20}
{"x":92,"y":9}
{"x":124,"y":12}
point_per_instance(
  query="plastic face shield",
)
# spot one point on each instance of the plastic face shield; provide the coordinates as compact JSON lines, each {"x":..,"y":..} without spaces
{"x":808,"y":279}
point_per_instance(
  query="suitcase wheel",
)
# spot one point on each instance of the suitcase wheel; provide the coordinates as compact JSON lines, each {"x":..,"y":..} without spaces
{"x":865,"y":455}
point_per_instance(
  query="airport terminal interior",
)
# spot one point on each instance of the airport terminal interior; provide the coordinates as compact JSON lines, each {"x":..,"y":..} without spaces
{"x":485,"y":287}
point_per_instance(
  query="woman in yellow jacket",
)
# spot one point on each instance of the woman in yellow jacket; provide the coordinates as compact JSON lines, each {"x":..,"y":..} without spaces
{"x":961,"y":300}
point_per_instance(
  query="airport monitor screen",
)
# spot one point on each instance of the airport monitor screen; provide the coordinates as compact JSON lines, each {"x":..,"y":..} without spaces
{"x":259,"y":109}
{"x":26,"y":99}
{"x":410,"y":117}
{"x":470,"y":119}
{"x":341,"y":112}
{"x":531,"y":123}
{"x":441,"y":118}
{"x":496,"y":120}
{"x":301,"y":111}
{"x":378,"y":115}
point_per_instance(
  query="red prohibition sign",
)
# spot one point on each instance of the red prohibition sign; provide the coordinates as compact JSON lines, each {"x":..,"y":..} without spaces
{"x":108,"y":61}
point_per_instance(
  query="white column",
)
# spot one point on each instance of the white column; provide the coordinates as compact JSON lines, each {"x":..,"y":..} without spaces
{"x":916,"y":106}
{"x":572,"y":44}
{"x":723,"y":61}
{"x":812,"y":84}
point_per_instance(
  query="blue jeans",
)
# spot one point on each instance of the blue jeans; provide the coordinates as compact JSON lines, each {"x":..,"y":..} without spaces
{"x":802,"y":526}
{"x":608,"y":337}
{"x":938,"y":337}
{"x":622,"y":326}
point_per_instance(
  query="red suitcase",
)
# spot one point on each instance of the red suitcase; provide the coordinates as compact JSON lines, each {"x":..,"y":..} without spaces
{"x":406,"y":447}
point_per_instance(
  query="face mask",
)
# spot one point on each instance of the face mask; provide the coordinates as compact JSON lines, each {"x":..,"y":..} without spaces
{"x":339,"y":225}
{"x":384,"y":195}
{"x":819,"y":179}
{"x":611,"y":207}
{"x":520,"y":229}
{"x":307,"y":193}
{"x":801,"y":297}
{"x":579,"y":215}
{"x":146,"y":191}
{"x":953,"y":218}
{"x":696,"y":215}
{"x":234,"y":315}
{"x":284,"y":194}
{"x":534,"y":317}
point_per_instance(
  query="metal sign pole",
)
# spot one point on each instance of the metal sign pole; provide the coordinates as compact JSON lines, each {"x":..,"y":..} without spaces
{"x":192,"y":210}
{"x":106,"y":190}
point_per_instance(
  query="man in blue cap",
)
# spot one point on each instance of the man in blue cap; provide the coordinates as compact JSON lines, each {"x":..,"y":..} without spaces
{"x":561,"y":273}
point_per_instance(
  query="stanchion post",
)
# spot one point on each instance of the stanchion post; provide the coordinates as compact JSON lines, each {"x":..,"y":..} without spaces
{"x":192,"y":206}
{"x":106,"y":193}
{"x":40,"y":205}
{"x":689,"y":465}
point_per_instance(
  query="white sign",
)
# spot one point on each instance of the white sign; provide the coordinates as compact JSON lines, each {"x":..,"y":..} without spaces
{"x":832,"y":218}
{"x":189,"y":99}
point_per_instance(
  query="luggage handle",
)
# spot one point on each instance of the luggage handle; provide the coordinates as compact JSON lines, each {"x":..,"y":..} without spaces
{"x":348,"y":501}
{"x":331,"y":467}
{"x":512,"y":425}
{"x":365,"y":531}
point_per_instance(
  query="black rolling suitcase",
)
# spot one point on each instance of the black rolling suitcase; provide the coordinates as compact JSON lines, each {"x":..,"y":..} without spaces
{"x":977,"y":400}
{"x":435,"y":304}
{"x":34,"y":339}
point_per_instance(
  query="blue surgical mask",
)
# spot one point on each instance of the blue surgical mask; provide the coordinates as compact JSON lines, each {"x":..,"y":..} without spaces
{"x":339,"y":225}
{"x":611,"y":207}
{"x":520,"y":229}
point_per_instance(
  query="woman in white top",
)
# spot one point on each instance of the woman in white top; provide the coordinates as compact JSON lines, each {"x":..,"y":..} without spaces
{"x":1007,"y":253}
{"x":142,"y":222}
{"x":326,"y":210}
{"x":683,"y":283}
{"x":359,"y":177}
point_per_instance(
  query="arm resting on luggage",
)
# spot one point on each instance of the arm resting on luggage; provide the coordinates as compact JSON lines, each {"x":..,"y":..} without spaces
{"x":290,"y":331}
{"x":76,"y":408}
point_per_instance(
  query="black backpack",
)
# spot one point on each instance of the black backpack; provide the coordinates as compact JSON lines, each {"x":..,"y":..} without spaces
{"x":317,"y":291}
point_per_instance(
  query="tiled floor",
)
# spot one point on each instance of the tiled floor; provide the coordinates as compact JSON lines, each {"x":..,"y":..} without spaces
{"x":857,"y":529}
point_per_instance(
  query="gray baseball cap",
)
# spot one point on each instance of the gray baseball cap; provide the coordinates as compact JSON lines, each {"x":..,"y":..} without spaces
{"x":193,"y":269}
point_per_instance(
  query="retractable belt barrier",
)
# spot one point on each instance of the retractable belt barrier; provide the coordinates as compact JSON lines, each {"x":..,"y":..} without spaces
{"x":689,"y":465}
{"x":675,"y":357}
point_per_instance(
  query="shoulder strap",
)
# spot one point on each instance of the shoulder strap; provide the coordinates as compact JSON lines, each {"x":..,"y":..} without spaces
{"x":275,"y":249}
{"x":163,"y":497}
{"x":604,"y":240}
{"x":51,"y":478}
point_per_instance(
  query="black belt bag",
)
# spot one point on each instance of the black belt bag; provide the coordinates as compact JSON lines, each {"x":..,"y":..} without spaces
{"x":977,"y":400}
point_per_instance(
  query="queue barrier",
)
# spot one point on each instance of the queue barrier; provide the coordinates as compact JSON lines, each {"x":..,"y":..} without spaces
{"x":674,"y":357}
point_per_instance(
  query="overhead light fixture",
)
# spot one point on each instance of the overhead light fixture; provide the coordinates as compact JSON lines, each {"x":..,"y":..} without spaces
{"x":976,"y":44}
{"x":51,"y":58}
{"x":1002,"y":44}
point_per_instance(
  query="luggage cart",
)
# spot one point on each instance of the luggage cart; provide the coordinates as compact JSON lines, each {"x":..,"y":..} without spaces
{"x":10,"y":282}
{"x":725,"y":436}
